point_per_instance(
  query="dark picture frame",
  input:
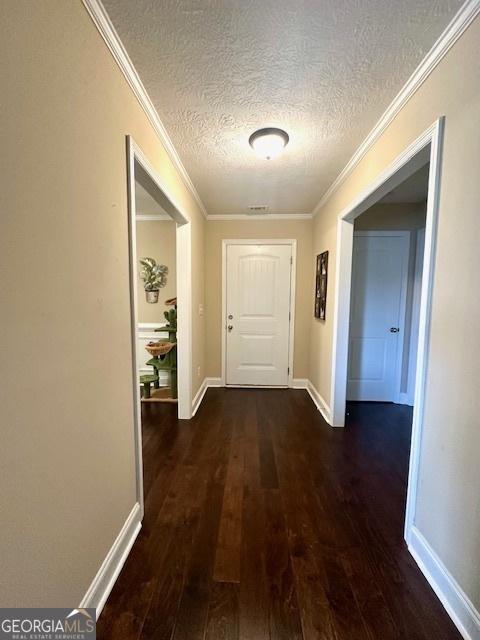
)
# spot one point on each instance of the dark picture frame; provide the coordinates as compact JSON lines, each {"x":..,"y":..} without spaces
{"x":321,"y":279}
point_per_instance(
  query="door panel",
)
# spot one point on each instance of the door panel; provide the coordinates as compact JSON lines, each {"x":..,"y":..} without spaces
{"x":258,"y":306}
{"x":379,"y":276}
{"x":368,"y":358}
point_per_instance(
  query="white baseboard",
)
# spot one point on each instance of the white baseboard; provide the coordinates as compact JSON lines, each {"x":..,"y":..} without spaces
{"x":322,"y":406}
{"x":103,"y":582}
{"x":207,"y":382}
{"x":197,"y":400}
{"x":299,"y":383}
{"x":450,"y":594}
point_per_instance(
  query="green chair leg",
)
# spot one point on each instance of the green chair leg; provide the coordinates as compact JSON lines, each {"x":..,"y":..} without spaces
{"x":173,"y":383}
{"x":146,"y":389}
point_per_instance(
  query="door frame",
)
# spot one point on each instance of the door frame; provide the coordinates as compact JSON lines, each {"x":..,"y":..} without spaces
{"x":293,"y":279}
{"x":427,"y":147}
{"x":406,"y":235}
{"x":136,"y":158}
{"x":407,"y":398}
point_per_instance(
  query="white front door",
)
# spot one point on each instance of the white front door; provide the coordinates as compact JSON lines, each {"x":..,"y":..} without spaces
{"x":257,"y":314}
{"x":377,"y":315}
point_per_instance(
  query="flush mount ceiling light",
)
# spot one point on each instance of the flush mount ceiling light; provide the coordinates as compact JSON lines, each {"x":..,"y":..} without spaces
{"x":269,"y":142}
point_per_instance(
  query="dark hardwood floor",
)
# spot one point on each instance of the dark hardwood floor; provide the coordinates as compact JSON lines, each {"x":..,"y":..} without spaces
{"x":262,"y":522}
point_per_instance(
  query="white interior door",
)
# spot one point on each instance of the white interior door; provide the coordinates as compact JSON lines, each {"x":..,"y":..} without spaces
{"x":377,"y":315}
{"x":257,"y":314}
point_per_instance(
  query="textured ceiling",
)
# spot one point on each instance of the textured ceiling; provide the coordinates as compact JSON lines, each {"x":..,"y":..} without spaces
{"x":323,"y":70}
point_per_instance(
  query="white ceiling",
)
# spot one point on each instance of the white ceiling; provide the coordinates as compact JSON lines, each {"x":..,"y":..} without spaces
{"x":216,"y":70}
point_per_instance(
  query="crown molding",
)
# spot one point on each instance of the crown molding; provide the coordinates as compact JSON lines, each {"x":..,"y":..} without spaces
{"x":464,"y":17}
{"x":263,"y":216}
{"x":461,"y":21}
{"x":106,"y":29}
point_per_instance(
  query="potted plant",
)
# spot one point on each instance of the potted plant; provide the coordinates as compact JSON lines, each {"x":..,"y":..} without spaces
{"x":154,"y":277}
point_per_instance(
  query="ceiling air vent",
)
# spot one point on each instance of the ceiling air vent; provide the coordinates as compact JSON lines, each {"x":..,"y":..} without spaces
{"x":257,"y":209}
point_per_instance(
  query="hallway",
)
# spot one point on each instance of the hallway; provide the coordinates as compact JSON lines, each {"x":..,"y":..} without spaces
{"x":263,"y":522}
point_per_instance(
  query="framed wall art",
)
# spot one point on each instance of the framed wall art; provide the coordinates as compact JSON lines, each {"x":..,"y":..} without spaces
{"x":321,"y":275}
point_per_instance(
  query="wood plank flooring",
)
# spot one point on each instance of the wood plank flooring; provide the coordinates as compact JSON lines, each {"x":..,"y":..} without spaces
{"x":262,"y":522}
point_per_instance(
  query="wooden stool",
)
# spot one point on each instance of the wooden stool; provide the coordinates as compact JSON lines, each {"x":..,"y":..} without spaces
{"x":147,"y":381}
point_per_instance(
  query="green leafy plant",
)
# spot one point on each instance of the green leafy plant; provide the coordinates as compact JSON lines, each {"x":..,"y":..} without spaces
{"x":154,"y":275}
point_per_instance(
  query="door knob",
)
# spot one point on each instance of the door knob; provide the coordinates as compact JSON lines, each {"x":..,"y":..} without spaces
{"x":230,"y":327}
{"x":394,"y":329}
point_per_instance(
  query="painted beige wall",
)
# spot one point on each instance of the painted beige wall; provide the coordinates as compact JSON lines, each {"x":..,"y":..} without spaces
{"x":392,"y":217}
{"x":300,"y":230}
{"x":156,"y":239}
{"x":67,"y":455}
{"x":448,"y":514}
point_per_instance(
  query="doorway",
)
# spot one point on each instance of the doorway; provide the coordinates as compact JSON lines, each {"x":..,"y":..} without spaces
{"x":426,"y":149}
{"x":156,"y":299}
{"x":387,"y":268}
{"x":258,"y":299}
{"x":377,"y":314}
{"x":146,"y":189}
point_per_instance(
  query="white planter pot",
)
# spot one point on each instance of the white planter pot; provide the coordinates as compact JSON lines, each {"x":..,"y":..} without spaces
{"x":152,"y":296}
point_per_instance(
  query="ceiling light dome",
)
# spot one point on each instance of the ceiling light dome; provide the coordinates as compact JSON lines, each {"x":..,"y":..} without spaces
{"x":269,"y":142}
